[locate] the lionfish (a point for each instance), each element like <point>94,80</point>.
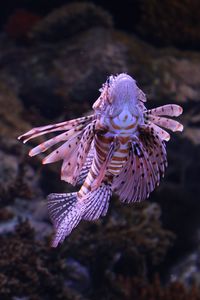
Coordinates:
<point>120,148</point>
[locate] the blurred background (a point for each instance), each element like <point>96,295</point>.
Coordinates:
<point>54,56</point>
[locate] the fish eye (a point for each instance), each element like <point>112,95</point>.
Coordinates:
<point>108,80</point>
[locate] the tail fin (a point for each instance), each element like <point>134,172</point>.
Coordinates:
<point>97,202</point>
<point>65,212</point>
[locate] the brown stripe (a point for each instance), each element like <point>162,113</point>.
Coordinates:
<point>114,125</point>
<point>130,126</point>
<point>115,168</point>
<point>106,149</point>
<point>102,145</point>
<point>80,194</point>
<point>101,153</point>
<point>105,139</point>
<point>123,151</point>
<point>124,140</point>
<point>92,174</point>
<point>99,146</point>
<point>118,158</point>
<point>87,186</point>
<point>96,164</point>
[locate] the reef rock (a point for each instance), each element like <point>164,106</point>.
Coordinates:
<point>11,112</point>
<point>69,20</point>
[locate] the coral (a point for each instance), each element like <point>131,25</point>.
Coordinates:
<point>30,269</point>
<point>69,20</point>
<point>122,246</point>
<point>137,288</point>
<point>16,188</point>
<point>171,22</point>
<point>130,241</point>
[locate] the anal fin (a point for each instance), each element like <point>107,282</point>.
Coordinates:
<point>96,202</point>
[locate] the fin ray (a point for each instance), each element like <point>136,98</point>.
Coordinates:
<point>172,110</point>
<point>83,150</point>
<point>87,165</point>
<point>96,202</point>
<point>167,123</point>
<point>164,135</point>
<point>65,212</point>
<point>66,125</point>
<point>142,172</point>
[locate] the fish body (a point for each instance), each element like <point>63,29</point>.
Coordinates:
<point>120,148</point>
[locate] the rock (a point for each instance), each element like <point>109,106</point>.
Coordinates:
<point>11,112</point>
<point>57,76</point>
<point>8,169</point>
<point>187,271</point>
<point>179,26</point>
<point>79,275</point>
<point>69,20</point>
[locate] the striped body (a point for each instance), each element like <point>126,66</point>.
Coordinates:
<point>123,128</point>
<point>120,148</point>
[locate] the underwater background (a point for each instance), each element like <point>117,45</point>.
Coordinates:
<point>54,56</point>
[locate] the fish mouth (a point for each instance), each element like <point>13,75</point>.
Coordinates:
<point>123,126</point>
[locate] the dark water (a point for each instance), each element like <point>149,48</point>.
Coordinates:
<point>54,56</point>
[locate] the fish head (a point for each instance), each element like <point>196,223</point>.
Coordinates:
<point>118,92</point>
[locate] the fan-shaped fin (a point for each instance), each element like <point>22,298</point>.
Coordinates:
<point>164,135</point>
<point>165,122</point>
<point>96,202</point>
<point>66,136</point>
<point>70,172</point>
<point>172,110</point>
<point>67,125</point>
<point>141,173</point>
<point>65,211</point>
<point>86,167</point>
<point>64,151</point>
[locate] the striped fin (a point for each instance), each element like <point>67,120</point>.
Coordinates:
<point>142,172</point>
<point>172,110</point>
<point>96,202</point>
<point>67,125</point>
<point>83,149</point>
<point>155,150</point>
<point>87,165</point>
<point>76,149</point>
<point>153,120</point>
<point>69,164</point>
<point>66,136</point>
<point>141,95</point>
<point>164,135</point>
<point>64,151</point>
<point>129,183</point>
<point>165,122</point>
<point>65,212</point>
